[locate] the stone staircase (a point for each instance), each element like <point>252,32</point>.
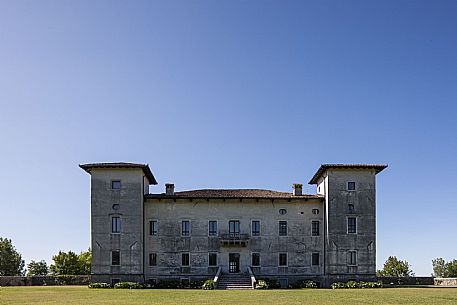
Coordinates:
<point>234,281</point>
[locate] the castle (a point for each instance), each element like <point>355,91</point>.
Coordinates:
<point>328,236</point>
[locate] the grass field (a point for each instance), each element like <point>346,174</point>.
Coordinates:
<point>73,295</point>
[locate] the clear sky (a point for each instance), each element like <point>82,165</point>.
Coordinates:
<point>229,94</point>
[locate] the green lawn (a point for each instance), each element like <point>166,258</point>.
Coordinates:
<point>72,295</point>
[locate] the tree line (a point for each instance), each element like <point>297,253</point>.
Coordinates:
<point>64,263</point>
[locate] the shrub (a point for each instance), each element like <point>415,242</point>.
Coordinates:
<point>305,284</point>
<point>270,283</point>
<point>99,285</point>
<point>208,285</point>
<point>196,284</point>
<point>168,284</point>
<point>354,284</point>
<point>128,285</point>
<point>261,284</point>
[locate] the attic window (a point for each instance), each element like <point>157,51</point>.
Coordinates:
<point>282,211</point>
<point>315,211</point>
<point>116,185</point>
<point>351,186</point>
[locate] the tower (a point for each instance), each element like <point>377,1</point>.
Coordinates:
<point>117,208</point>
<point>349,220</point>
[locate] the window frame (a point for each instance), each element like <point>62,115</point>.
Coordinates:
<point>151,227</point>
<point>182,228</point>
<point>116,226</point>
<point>112,258</point>
<point>209,228</point>
<point>236,228</point>
<point>209,259</point>
<point>256,234</point>
<point>350,257</point>
<point>113,183</point>
<point>313,255</point>
<point>152,259</point>
<point>315,230</point>
<point>351,189</point>
<point>252,259</point>
<point>188,259</point>
<point>282,254</point>
<point>355,225</point>
<point>280,231</point>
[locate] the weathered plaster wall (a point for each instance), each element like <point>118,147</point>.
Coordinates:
<point>169,245</point>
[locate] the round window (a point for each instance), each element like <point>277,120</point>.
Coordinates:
<point>282,211</point>
<point>315,211</point>
<point>115,207</point>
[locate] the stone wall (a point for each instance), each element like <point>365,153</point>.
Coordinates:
<point>44,280</point>
<point>446,281</point>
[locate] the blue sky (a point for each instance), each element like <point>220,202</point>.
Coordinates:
<point>233,94</point>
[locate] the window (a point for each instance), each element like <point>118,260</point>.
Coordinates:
<point>114,282</point>
<point>234,228</point>
<point>255,259</point>
<point>116,224</point>
<point>212,228</point>
<point>283,228</point>
<point>352,258</point>
<point>153,227</point>
<point>352,225</point>
<point>282,259</point>
<point>282,211</point>
<point>185,228</point>
<point>315,259</point>
<point>152,259</point>
<point>115,258</point>
<point>185,259</point>
<point>255,228</point>
<point>351,186</point>
<point>116,185</point>
<point>212,259</point>
<point>315,211</point>
<point>315,228</point>
<point>350,207</point>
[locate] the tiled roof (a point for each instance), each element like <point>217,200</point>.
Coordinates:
<point>324,167</point>
<point>233,193</point>
<point>145,167</point>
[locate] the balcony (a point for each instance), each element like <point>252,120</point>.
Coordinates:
<point>234,239</point>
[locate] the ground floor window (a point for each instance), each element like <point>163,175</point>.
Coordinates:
<point>315,259</point>
<point>212,259</point>
<point>282,259</point>
<point>185,259</point>
<point>152,259</point>
<point>352,258</point>
<point>114,282</point>
<point>255,259</point>
<point>115,258</point>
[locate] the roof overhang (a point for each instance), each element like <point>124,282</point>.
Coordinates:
<point>324,167</point>
<point>145,167</point>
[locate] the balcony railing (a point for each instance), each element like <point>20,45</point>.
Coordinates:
<point>234,239</point>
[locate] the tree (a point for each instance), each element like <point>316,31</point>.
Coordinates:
<point>443,269</point>
<point>37,268</point>
<point>11,262</point>
<point>70,263</point>
<point>395,267</point>
<point>439,267</point>
<point>84,259</point>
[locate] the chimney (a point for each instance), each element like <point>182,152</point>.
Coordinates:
<point>169,189</point>
<point>297,187</point>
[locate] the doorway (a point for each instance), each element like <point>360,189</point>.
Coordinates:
<point>234,262</point>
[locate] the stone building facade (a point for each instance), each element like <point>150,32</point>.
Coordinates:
<point>328,236</point>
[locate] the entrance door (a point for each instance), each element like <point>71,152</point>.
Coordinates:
<point>234,262</point>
